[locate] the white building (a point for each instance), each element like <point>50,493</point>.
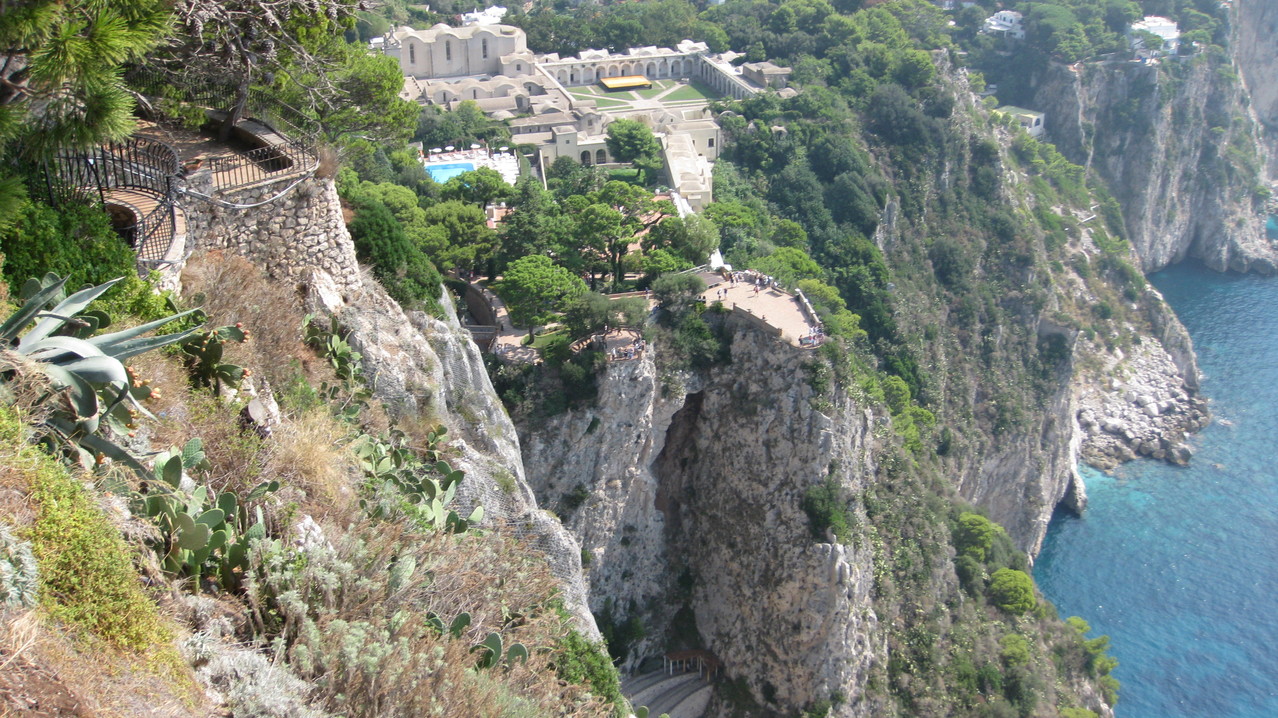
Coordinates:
<point>1031,120</point>
<point>1006,24</point>
<point>1165,29</point>
<point>489,64</point>
<point>487,16</point>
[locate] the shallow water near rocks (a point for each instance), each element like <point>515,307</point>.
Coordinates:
<point>1180,565</point>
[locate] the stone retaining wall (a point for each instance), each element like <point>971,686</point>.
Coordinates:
<point>299,231</point>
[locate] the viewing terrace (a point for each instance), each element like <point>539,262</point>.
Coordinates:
<point>749,295</point>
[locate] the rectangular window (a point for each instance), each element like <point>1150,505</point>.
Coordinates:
<point>484,46</point>
<point>448,50</point>
<point>710,142</point>
<point>412,54</point>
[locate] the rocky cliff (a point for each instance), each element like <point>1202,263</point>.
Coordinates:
<point>1256,25</point>
<point>1175,145</point>
<point>692,486</point>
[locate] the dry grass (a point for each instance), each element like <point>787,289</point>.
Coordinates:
<point>231,289</point>
<point>367,637</point>
<point>310,454</point>
<point>65,676</point>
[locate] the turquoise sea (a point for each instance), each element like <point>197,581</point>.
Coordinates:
<point>1180,565</point>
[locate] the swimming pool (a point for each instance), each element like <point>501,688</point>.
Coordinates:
<point>443,173</point>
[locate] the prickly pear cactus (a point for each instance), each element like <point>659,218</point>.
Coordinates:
<point>18,577</point>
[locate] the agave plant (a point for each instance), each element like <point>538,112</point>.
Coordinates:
<point>87,381</point>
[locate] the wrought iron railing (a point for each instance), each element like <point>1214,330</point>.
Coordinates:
<point>134,174</point>
<point>262,165</point>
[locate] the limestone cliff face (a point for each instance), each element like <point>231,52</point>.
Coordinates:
<point>694,511</point>
<point>430,369</point>
<point>1256,52</point>
<point>423,368</point>
<point>1176,147</point>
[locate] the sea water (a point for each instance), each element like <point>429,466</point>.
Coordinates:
<point>1180,565</point>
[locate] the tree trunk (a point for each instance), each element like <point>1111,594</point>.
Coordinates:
<point>236,112</point>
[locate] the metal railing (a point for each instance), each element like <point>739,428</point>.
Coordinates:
<point>262,165</point>
<point>121,173</point>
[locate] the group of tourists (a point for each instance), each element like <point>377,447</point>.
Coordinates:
<point>813,338</point>
<point>630,351</point>
<point>750,276</point>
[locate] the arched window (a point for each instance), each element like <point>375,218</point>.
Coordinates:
<point>448,50</point>
<point>412,54</point>
<point>600,157</point>
<point>585,157</point>
<point>484,47</point>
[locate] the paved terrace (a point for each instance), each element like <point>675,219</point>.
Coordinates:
<point>746,292</point>
<point>772,305</point>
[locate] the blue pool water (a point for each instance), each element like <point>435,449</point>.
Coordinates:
<point>443,173</point>
<point>1180,565</point>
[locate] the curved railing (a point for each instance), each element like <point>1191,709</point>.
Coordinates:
<point>137,174</point>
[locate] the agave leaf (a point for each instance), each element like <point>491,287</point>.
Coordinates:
<point>141,345</point>
<point>69,307</point>
<point>29,309</point>
<point>120,337</point>
<point>99,370</point>
<point>83,398</point>
<point>54,348</point>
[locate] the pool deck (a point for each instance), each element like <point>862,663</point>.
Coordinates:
<point>506,163</point>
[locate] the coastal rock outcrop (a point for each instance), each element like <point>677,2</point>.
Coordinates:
<point>1143,408</point>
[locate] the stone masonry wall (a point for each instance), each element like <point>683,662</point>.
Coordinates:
<point>287,237</point>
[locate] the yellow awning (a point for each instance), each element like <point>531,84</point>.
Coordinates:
<point>626,82</point>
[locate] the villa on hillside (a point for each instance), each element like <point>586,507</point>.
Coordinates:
<point>1031,120</point>
<point>1006,24</point>
<point>563,105</point>
<point>1165,29</point>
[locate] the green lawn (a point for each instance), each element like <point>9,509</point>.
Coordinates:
<point>540,341</point>
<point>695,91</point>
<point>608,102</point>
<point>628,174</point>
<point>657,88</point>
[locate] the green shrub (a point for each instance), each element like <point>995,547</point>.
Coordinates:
<point>827,509</point>
<point>75,241</point>
<point>86,577</point>
<point>1012,591</point>
<point>974,535</point>
<point>401,267</point>
<point>585,663</point>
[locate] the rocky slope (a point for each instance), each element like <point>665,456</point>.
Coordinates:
<point>430,370</point>
<point>1257,56</point>
<point>1175,146</point>
<point>694,518</point>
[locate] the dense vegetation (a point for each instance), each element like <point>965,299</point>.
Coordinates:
<point>925,232</point>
